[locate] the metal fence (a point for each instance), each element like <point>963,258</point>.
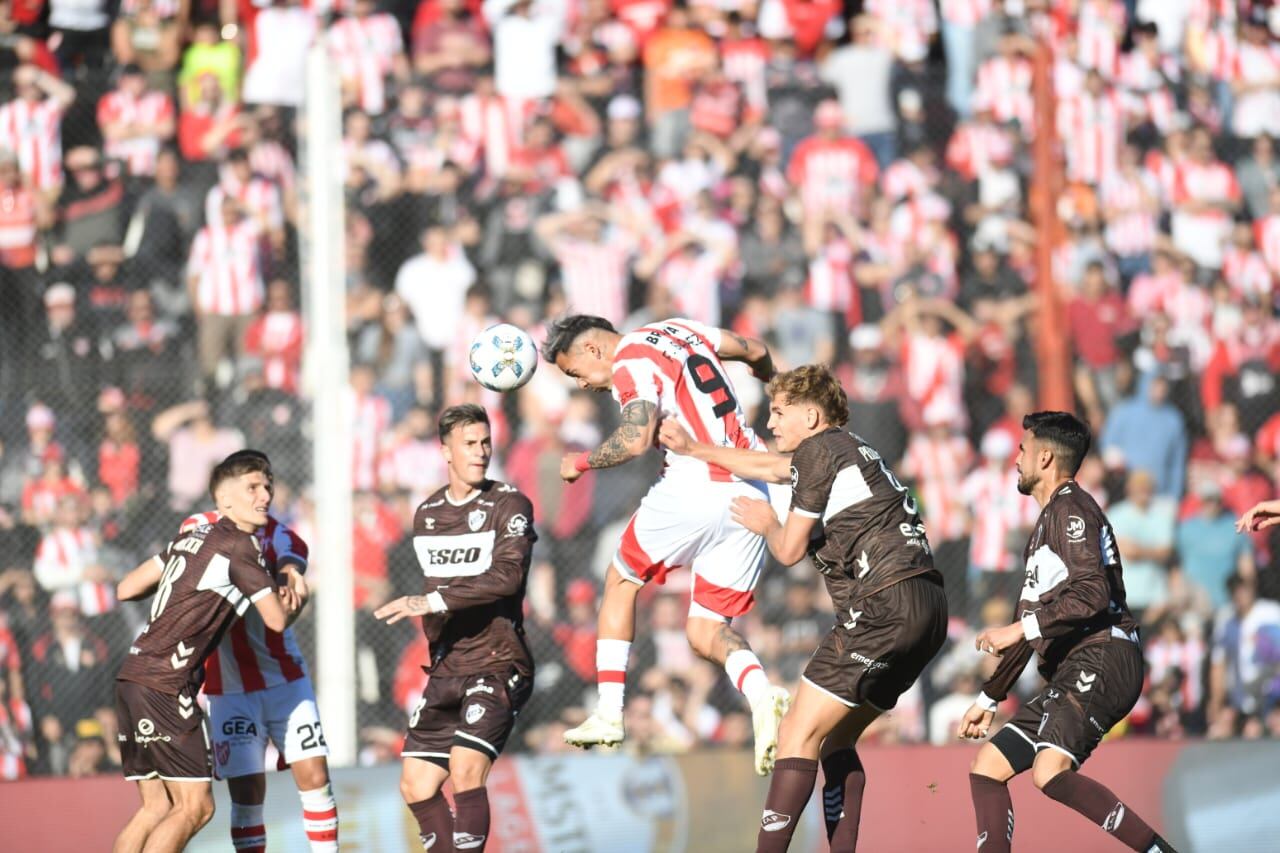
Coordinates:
<point>834,203</point>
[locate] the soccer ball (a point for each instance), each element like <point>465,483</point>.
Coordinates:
<point>503,357</point>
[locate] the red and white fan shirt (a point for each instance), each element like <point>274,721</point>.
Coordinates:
<point>1092,130</point>
<point>1129,201</point>
<point>17,227</point>
<point>276,338</point>
<point>63,555</point>
<point>1004,87</point>
<point>258,197</point>
<point>227,266</point>
<point>251,656</point>
<point>831,174</point>
<point>674,364</point>
<point>998,511</point>
<point>365,50</point>
<point>370,420</point>
<point>595,276</point>
<point>1266,233</point>
<point>939,465</point>
<point>33,131</point>
<point>151,108</point>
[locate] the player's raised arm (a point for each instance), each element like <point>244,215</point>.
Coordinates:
<point>141,582</point>
<point>632,438</point>
<point>747,464</point>
<point>977,720</point>
<point>750,351</point>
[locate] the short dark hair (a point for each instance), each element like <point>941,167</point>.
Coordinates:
<point>812,383</point>
<point>563,332</point>
<point>241,462</point>
<point>464,414</point>
<point>1067,433</point>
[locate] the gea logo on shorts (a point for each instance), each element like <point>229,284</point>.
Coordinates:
<point>240,726</point>
<point>447,556</point>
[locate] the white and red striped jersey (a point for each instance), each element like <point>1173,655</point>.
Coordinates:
<point>62,557</point>
<point>17,227</point>
<point>1206,14</point>
<point>496,126</point>
<point>1201,233</point>
<point>595,276</point>
<point>1188,656</point>
<point>226,263</point>
<point>365,50</point>
<point>370,419</point>
<point>1150,293</point>
<point>938,466</point>
<point>138,152</point>
<point>905,179</point>
<point>1092,131</point>
<point>1247,273</point>
<point>1266,233</point>
<point>744,62</point>
<point>830,285</point>
<point>832,173</point>
<point>965,13</point>
<point>1256,111</point>
<point>908,24</point>
<point>273,161</point>
<point>975,146</point>
<point>1099,28</point>
<point>33,131</point>
<point>1206,182</point>
<point>412,465</point>
<point>674,364</point>
<point>1004,86</point>
<point>1165,168</point>
<point>258,197</point>
<point>276,338</point>
<point>933,368</point>
<point>997,510</point>
<point>251,656</point>
<point>693,282</point>
<point>1129,204</point>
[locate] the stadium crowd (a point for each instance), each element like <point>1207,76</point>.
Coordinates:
<point>848,181</point>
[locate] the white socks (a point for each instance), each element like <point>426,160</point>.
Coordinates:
<point>320,818</point>
<point>746,674</point>
<point>611,676</point>
<point>248,833</point>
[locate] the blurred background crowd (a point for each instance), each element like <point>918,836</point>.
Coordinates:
<point>850,181</point>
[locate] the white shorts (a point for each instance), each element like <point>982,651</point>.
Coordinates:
<point>680,523</point>
<point>242,722</point>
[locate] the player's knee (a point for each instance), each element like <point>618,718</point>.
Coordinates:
<point>311,774</point>
<point>991,762</point>
<point>701,636</point>
<point>197,811</point>
<point>1048,767</point>
<point>468,774</point>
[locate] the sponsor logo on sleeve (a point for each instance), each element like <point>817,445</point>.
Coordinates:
<point>1075,528</point>
<point>518,525</point>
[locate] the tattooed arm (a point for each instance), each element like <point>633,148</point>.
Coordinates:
<point>751,352</point>
<point>631,439</point>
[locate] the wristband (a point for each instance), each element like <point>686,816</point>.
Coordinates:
<point>583,463</point>
<point>436,602</point>
<point>985,702</point>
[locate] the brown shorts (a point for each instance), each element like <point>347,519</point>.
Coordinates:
<point>1095,687</point>
<point>474,711</point>
<point>876,653</point>
<point>162,734</point>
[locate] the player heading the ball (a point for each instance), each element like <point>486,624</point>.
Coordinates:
<point>674,370</point>
<point>872,551</point>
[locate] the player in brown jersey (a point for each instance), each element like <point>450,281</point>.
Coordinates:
<point>1074,616</point>
<point>203,581</point>
<point>474,539</point>
<point>874,556</point>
